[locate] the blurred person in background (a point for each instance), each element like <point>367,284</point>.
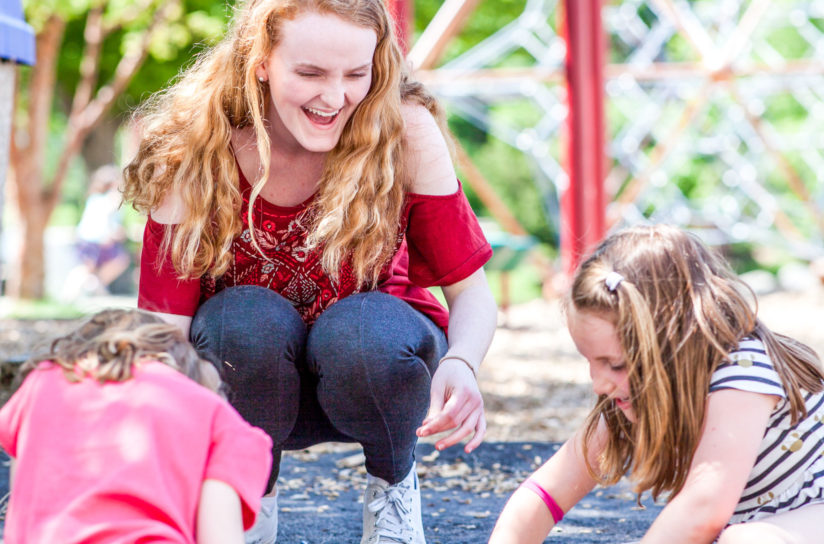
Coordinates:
<point>100,237</point>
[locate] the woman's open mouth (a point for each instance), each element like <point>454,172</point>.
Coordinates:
<point>321,117</point>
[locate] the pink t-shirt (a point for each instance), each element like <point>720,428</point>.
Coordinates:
<point>123,462</point>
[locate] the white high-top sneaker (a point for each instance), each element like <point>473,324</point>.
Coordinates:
<point>265,529</point>
<point>392,513</point>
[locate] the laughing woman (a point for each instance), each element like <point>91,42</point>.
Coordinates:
<point>301,199</point>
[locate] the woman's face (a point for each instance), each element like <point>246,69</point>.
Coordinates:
<point>317,75</point>
<point>596,339</point>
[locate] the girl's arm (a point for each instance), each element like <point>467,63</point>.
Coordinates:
<point>219,517</point>
<point>734,426</point>
<point>525,518</point>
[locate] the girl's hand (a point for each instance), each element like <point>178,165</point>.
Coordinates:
<point>456,405</point>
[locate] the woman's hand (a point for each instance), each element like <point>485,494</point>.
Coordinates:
<point>455,405</point>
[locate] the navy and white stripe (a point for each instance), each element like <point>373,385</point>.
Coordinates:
<point>789,469</point>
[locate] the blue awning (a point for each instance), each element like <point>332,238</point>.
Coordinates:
<point>16,36</point>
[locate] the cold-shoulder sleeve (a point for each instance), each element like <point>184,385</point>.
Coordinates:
<point>446,243</point>
<point>159,289</point>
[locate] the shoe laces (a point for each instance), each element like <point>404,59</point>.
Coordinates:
<point>391,507</point>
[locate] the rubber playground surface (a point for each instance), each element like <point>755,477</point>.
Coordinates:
<point>461,496</point>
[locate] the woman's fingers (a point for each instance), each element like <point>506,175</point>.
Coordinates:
<point>469,426</point>
<point>480,433</point>
<point>463,414</point>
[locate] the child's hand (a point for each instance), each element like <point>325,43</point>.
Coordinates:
<point>455,403</point>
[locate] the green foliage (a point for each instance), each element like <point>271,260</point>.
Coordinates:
<point>38,309</point>
<point>524,284</point>
<point>38,11</point>
<point>788,43</point>
<point>488,18</point>
<point>200,24</point>
<point>196,23</point>
<point>193,26</point>
<point>784,111</point>
<point>697,176</point>
<point>509,172</point>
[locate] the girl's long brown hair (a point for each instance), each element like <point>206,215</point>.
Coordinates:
<point>678,313</point>
<point>186,134</point>
<point>119,339</point>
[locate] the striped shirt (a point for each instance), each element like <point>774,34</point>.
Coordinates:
<point>787,452</point>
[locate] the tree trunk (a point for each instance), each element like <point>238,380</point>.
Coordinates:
<point>27,161</point>
<point>30,281</point>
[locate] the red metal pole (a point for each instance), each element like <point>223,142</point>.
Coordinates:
<point>401,11</point>
<point>582,203</point>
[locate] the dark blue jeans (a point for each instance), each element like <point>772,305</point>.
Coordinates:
<point>361,373</point>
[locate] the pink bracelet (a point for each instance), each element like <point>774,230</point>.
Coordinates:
<point>554,509</point>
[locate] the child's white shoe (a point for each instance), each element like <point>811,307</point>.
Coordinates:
<point>392,513</point>
<point>265,529</point>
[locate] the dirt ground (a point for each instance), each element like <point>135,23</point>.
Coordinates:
<point>536,387</point>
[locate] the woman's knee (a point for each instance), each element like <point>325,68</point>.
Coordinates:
<point>246,310</point>
<point>374,340</point>
<point>248,327</point>
<point>374,326</point>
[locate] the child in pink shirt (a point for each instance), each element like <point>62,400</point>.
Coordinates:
<point>115,439</point>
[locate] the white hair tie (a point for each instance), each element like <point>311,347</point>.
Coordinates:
<point>612,280</point>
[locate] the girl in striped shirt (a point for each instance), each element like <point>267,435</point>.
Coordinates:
<point>697,400</point>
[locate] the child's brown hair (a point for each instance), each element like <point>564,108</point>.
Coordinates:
<point>120,338</point>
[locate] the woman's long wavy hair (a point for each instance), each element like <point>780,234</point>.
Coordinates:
<point>678,313</point>
<point>118,339</point>
<point>186,134</point>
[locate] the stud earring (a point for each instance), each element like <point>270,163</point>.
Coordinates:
<point>260,78</point>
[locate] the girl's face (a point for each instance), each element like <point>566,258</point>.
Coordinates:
<point>595,338</point>
<point>317,75</point>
